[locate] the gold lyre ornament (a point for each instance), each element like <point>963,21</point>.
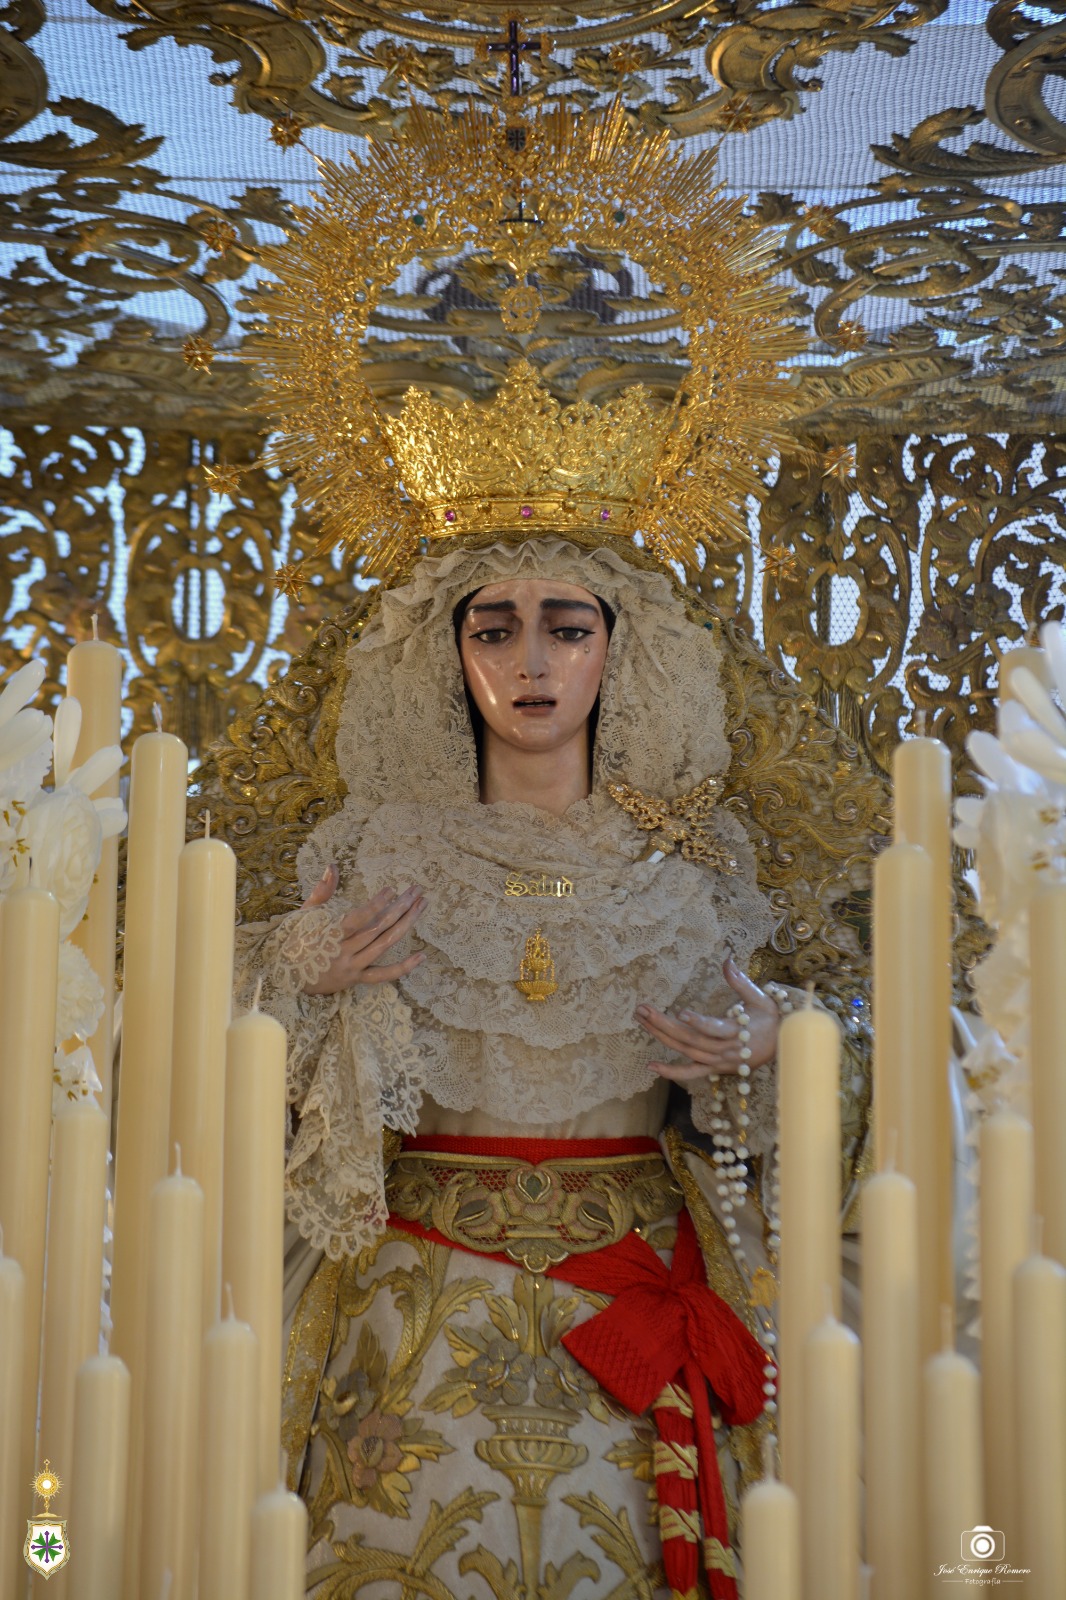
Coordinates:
<point>46,1546</point>
<point>587,447</point>
<point>537,973</point>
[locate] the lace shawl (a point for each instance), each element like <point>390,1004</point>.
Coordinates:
<point>457,1028</point>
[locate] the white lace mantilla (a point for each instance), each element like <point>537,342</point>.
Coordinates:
<point>457,1028</point>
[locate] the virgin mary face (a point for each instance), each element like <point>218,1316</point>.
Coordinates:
<point>533,652</point>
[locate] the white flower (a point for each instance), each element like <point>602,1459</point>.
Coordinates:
<point>63,834</point>
<point>1011,839</point>
<point>80,1003</point>
<point>73,1077</point>
<point>25,736</point>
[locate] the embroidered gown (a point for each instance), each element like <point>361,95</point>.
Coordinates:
<point>446,1440</point>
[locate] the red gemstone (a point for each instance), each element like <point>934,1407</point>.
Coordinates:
<point>527,511</point>
<point>449,516</point>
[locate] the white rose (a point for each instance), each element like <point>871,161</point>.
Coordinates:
<point>63,834</point>
<point>80,1001</point>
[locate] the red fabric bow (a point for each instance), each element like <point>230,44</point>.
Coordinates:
<point>664,1338</point>
<point>660,1319</point>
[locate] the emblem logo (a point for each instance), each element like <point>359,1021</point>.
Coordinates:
<point>46,1548</point>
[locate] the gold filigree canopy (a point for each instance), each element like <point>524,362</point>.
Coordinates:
<point>513,208</point>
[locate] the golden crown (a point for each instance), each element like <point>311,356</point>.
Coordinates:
<point>512,206</point>
<point>523,460</point>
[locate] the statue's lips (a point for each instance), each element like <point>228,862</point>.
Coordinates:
<point>534,705</point>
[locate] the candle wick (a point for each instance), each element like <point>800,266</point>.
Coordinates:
<point>808,1004</point>
<point>230,1313</point>
<point>168,1579</point>
<point>830,1309</point>
<point>283,1463</point>
<point>1038,1235</point>
<point>769,1463</point>
<point>177,1160</point>
<point>157,717</point>
<point>947,1328</point>
<point>205,818</point>
<point>258,992</point>
<point>920,724</point>
<point>96,629</point>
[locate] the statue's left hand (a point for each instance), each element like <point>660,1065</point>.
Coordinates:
<point>712,1045</point>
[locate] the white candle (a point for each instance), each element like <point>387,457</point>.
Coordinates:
<point>75,1266</point>
<point>905,1049</point>
<point>770,1541</point>
<point>1006,1216</point>
<point>99,1476</point>
<point>253,1226</point>
<point>829,1485</point>
<point>203,999</point>
<point>891,1379</point>
<point>156,834</point>
<point>230,1458</point>
<point>172,1389</point>
<point>279,1546</point>
<point>1047,954</point>
<point>94,679</point>
<point>1040,1398</point>
<point>29,961</point>
<point>921,773</point>
<point>12,1378</point>
<point>954,1494</point>
<point>809,1093</point>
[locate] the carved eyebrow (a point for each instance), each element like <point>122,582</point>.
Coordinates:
<point>545,605</point>
<point>570,605</point>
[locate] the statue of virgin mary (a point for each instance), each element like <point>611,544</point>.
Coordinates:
<point>535,851</point>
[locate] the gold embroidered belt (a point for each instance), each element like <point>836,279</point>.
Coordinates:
<point>536,1201</point>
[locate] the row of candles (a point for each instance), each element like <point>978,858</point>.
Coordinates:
<point>170,1439</point>
<point>894,1448</point>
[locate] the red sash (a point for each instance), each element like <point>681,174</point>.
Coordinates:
<point>664,1339</point>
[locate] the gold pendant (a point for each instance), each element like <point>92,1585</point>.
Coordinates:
<point>537,980</point>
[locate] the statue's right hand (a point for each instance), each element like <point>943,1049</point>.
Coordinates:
<point>369,932</point>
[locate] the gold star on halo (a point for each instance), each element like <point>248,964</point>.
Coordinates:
<point>839,462</point>
<point>222,477</point>
<point>851,335</point>
<point>821,220</point>
<point>218,235</point>
<point>286,131</point>
<point>289,580</point>
<point>198,353</point>
<point>781,559</point>
<point>737,115</point>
